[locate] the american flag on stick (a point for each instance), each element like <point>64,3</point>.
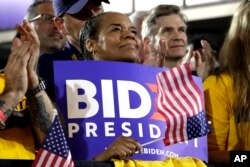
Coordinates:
<point>181,103</point>
<point>54,151</point>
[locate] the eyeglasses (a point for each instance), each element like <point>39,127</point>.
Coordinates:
<point>47,18</point>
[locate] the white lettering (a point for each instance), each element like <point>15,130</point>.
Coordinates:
<point>124,104</point>
<point>187,142</point>
<point>240,158</point>
<point>237,158</point>
<point>159,152</point>
<point>124,127</point>
<point>196,143</point>
<point>109,129</point>
<point>108,99</point>
<point>140,130</point>
<point>151,131</point>
<point>91,129</point>
<point>243,157</point>
<point>73,128</point>
<point>80,101</point>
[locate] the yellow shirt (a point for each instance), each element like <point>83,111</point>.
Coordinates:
<point>16,142</point>
<point>169,162</point>
<point>219,98</point>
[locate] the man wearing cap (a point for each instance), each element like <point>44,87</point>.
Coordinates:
<point>71,15</point>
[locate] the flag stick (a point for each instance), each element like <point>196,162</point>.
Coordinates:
<point>150,142</point>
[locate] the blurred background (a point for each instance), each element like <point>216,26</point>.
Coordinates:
<point>209,18</point>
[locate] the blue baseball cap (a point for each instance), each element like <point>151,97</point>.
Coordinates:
<point>70,6</point>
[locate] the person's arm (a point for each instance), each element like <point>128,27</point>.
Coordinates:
<point>121,148</point>
<point>42,113</point>
<point>41,108</point>
<point>15,76</point>
<point>8,101</point>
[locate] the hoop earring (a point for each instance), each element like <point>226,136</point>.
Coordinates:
<point>94,54</point>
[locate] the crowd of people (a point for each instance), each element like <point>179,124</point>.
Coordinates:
<point>80,30</point>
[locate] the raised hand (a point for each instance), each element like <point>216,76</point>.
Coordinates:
<point>202,61</point>
<point>210,59</point>
<point>28,34</point>
<point>16,72</point>
<point>154,59</point>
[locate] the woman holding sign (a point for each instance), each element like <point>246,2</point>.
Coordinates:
<point>112,36</point>
<point>118,42</point>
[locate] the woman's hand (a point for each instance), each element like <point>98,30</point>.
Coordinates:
<point>121,148</point>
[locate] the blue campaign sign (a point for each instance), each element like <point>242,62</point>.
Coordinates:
<point>102,100</point>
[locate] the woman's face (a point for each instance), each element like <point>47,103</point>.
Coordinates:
<point>117,39</point>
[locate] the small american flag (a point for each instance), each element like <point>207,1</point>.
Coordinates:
<point>54,151</point>
<point>181,103</point>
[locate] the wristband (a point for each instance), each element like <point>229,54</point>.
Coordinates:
<point>2,119</point>
<point>38,88</point>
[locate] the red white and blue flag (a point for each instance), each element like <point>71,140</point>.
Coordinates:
<point>181,103</point>
<point>54,151</point>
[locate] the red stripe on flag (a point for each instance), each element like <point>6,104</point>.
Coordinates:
<point>174,129</point>
<point>170,129</point>
<point>179,98</point>
<point>54,160</point>
<point>37,160</point>
<point>192,92</point>
<point>175,91</point>
<point>71,164</point>
<point>161,109</point>
<point>185,92</point>
<point>54,152</point>
<point>46,159</point>
<point>62,162</point>
<point>58,161</point>
<point>183,104</point>
<point>201,108</point>
<point>178,111</point>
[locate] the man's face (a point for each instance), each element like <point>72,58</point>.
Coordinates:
<point>73,22</point>
<point>50,38</point>
<point>172,29</point>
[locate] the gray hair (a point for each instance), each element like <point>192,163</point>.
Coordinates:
<point>32,10</point>
<point>149,23</point>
